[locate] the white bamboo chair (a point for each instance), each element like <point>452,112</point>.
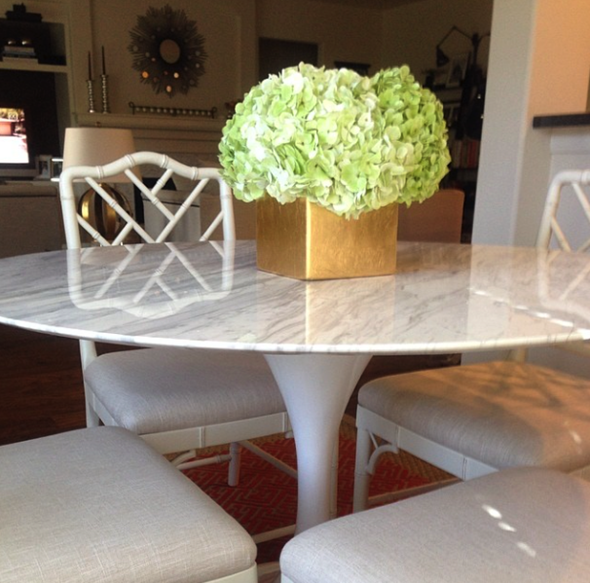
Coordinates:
<point>475,419</point>
<point>177,400</point>
<point>100,505</point>
<point>519,525</point>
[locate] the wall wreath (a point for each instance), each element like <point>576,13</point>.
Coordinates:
<point>167,50</point>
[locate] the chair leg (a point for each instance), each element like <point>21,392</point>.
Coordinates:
<point>235,454</point>
<point>181,463</point>
<point>92,418</point>
<point>334,487</point>
<point>361,475</point>
<point>276,462</point>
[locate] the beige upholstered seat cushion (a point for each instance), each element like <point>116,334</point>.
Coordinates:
<point>526,525</point>
<point>99,505</point>
<point>159,389</point>
<point>502,413</point>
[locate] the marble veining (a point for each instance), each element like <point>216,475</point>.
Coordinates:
<point>443,298</point>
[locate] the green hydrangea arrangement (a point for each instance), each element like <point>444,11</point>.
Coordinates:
<point>349,143</point>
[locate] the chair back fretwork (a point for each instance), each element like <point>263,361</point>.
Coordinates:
<point>565,225</point>
<point>95,177</point>
<point>568,193</point>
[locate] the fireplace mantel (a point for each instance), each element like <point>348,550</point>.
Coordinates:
<point>164,133</point>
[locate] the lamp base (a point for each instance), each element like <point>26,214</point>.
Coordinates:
<point>98,213</point>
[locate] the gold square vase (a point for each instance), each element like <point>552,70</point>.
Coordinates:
<point>305,241</point>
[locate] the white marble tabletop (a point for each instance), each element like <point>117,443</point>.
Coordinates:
<point>443,298</point>
<point>317,337</point>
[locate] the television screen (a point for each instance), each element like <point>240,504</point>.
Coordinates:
<point>13,137</point>
<point>28,96</point>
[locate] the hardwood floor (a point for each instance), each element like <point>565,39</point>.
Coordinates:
<point>40,386</point>
<point>41,383</point>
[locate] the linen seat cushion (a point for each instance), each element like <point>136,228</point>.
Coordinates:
<point>503,413</point>
<point>100,505</point>
<point>203,388</point>
<point>521,525</point>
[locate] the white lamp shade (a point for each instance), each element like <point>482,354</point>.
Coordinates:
<point>97,147</point>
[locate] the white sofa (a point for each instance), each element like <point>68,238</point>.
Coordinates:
<point>30,219</point>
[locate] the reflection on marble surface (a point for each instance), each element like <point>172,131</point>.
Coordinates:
<point>117,279</point>
<point>443,298</point>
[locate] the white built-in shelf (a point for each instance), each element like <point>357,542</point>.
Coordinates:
<point>156,122</point>
<point>32,66</point>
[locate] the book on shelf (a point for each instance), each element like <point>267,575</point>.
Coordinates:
<point>20,60</point>
<point>18,51</point>
<point>465,153</point>
<point>18,54</point>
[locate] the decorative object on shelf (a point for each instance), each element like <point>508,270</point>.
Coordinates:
<point>90,90</point>
<point>167,50</point>
<point>173,111</point>
<point>19,35</point>
<point>15,53</point>
<point>457,70</point>
<point>89,85</point>
<point>19,12</point>
<point>56,168</point>
<point>104,85</point>
<point>25,36</point>
<point>43,167</point>
<point>95,147</point>
<point>340,141</point>
<point>104,90</point>
<point>472,83</point>
<point>441,57</point>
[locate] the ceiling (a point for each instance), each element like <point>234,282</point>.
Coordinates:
<point>380,4</point>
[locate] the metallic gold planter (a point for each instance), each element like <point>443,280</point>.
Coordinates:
<point>305,241</point>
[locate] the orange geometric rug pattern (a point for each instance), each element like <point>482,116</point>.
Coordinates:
<point>266,498</point>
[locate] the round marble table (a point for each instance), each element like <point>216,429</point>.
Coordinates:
<point>317,336</point>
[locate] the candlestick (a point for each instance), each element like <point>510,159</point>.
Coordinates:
<point>104,67</point>
<point>105,93</point>
<point>90,96</point>
<point>89,66</point>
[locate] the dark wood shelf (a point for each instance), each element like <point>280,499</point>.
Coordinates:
<point>561,120</point>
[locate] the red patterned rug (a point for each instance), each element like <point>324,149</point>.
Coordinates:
<point>266,498</point>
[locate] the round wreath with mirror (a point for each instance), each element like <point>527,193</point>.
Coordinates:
<point>167,50</point>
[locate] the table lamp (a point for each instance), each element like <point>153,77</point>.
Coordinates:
<point>95,146</point>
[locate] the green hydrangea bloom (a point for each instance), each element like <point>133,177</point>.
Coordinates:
<point>348,143</point>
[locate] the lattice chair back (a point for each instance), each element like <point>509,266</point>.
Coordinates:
<point>565,225</point>
<point>129,228</point>
<point>568,201</point>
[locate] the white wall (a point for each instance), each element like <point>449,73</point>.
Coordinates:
<point>343,33</point>
<point>505,121</point>
<point>411,32</point>
<point>539,60</point>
